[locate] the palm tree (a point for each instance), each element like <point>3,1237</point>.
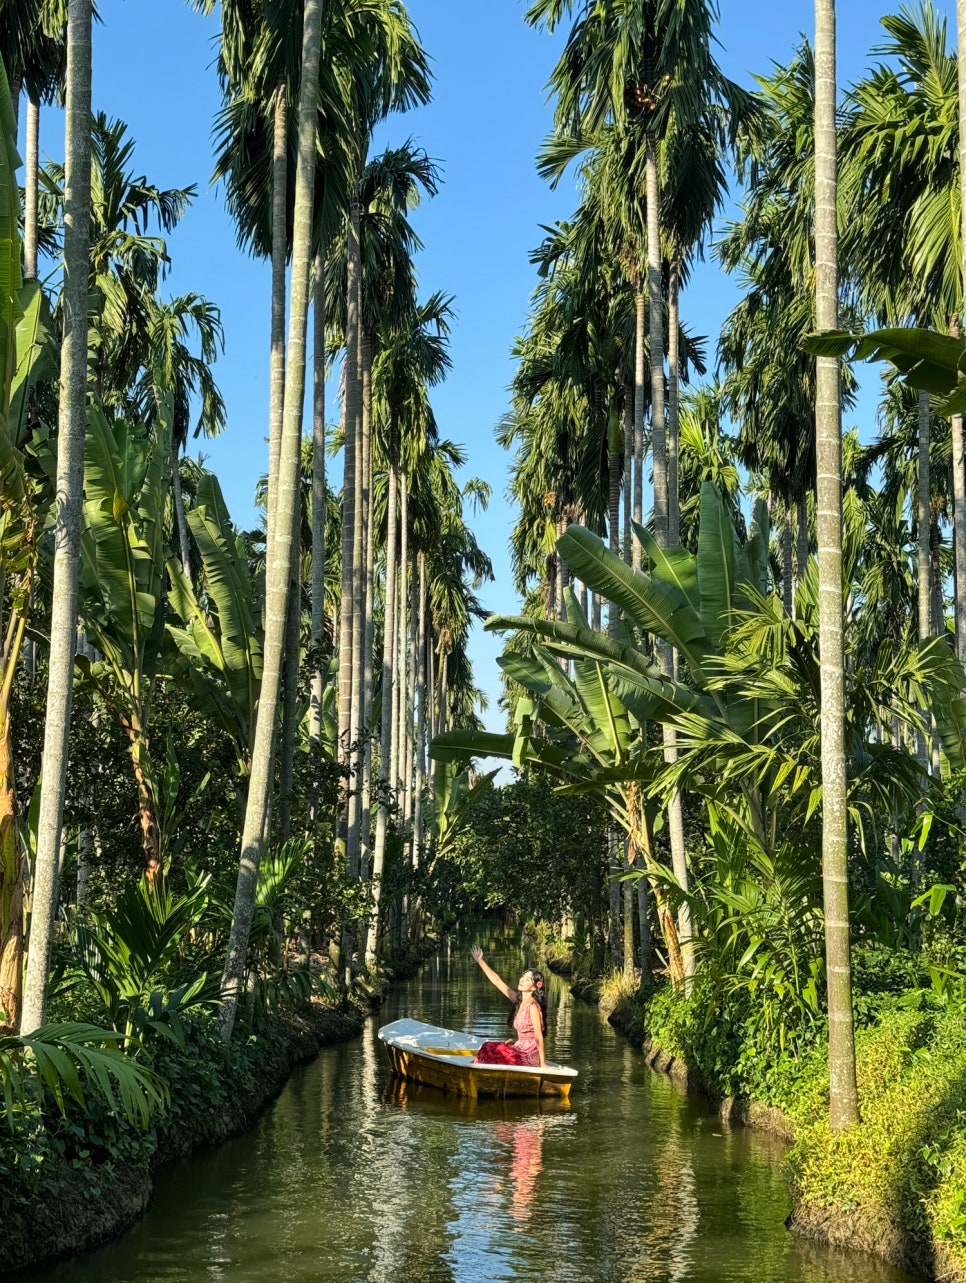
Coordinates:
<point>33,51</point>
<point>281,531</point>
<point>170,367</point>
<point>18,557</point>
<point>70,480</point>
<point>412,357</point>
<point>898,150</point>
<point>843,1093</point>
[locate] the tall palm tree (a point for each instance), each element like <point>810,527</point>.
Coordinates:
<point>70,478</point>
<point>413,357</point>
<point>898,154</point>
<point>843,1093</point>
<point>281,532</point>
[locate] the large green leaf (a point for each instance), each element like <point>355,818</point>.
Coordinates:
<point>574,642</point>
<point>658,606</point>
<point>221,640</point>
<point>716,565</point>
<point>71,1059</point>
<point>122,541</point>
<point>672,566</point>
<point>927,360</point>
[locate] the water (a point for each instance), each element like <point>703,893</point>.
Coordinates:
<point>354,1177</point>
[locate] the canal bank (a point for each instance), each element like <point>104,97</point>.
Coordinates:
<point>889,1187</point>
<point>354,1177</point>
<point>92,1175</point>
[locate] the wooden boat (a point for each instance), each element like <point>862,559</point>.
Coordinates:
<point>444,1058</point>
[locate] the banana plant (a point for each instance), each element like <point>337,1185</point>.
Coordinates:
<point>219,637</point>
<point>121,591</point>
<point>588,731</point>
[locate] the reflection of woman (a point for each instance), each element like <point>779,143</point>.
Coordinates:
<point>527,1166</point>
<point>529,1019</point>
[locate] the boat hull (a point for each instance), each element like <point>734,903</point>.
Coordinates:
<point>443,1058</point>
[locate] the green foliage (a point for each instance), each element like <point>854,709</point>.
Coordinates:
<point>68,1059</point>
<point>129,952</point>
<point>219,639</point>
<point>904,1165</point>
<point>530,848</point>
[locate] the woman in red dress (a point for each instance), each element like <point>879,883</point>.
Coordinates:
<point>529,1019</point>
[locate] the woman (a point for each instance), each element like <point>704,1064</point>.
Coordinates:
<point>529,1019</point>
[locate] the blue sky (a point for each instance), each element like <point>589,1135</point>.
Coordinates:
<point>153,68</point>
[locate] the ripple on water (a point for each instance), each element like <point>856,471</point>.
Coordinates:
<point>354,1177</point>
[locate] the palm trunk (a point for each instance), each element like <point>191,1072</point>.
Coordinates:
<point>351,411</point>
<point>662,506</point>
<point>140,749</point>
<point>959,534</point>
<point>637,440</point>
<point>801,544</point>
<point>13,868</point>
<point>402,639</point>
<point>624,543</point>
<point>30,189</point>
<point>358,622</point>
<point>788,591</point>
<point>410,710</point>
<point>386,724</point>
<point>317,628</point>
<point>656,335</point>
<point>279,553</point>
<point>368,627</point>
<point>180,518</point>
<point>72,422</point>
<point>959,478</point>
<point>925,521</point>
<point>288,733</point>
<point>843,1094</point>
<point>279,259</point>
<point>422,723</point>
<point>673,404</point>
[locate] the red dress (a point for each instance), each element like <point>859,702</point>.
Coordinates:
<point>525,1051</point>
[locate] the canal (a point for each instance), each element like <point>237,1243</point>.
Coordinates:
<point>353,1177</point>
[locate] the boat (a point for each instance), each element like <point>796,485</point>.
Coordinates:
<point>443,1058</point>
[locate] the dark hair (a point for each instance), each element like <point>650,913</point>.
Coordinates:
<point>539,994</point>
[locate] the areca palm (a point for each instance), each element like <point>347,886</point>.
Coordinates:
<point>412,357</point>
<point>279,552</point>
<point>128,257</point>
<point>70,471</point>
<point>899,141</point>
<point>646,66</point>
<point>843,1093</point>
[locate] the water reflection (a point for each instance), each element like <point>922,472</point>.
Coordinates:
<point>357,1177</point>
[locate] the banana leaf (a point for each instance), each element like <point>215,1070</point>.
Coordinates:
<point>716,566</point>
<point>574,642</point>
<point>658,606</point>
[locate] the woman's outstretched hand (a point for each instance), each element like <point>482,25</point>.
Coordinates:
<point>477,953</point>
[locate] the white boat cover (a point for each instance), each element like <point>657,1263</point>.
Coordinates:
<point>453,1048</point>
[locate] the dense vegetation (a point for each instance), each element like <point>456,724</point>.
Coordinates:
<point>738,719</point>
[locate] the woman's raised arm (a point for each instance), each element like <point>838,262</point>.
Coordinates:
<point>492,976</point>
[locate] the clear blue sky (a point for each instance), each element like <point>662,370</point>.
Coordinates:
<point>153,68</point>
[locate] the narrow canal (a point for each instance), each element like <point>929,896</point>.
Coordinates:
<point>354,1177</point>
